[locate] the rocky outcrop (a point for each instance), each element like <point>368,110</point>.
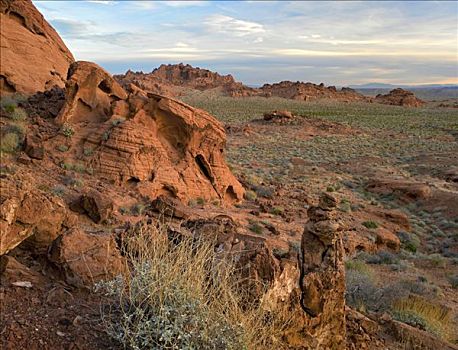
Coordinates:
<point>279,116</point>
<point>406,190</point>
<point>168,78</point>
<point>314,296</point>
<point>86,258</point>
<point>26,37</point>
<point>399,97</point>
<point>28,213</point>
<point>157,144</point>
<point>309,91</point>
<point>147,82</point>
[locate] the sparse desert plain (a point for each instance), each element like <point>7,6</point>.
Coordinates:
<point>183,209</point>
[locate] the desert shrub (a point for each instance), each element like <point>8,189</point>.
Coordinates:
<point>10,142</point>
<point>137,209</point>
<point>277,210</point>
<point>255,227</point>
<point>436,260</point>
<point>361,290</point>
<point>358,265</point>
<point>370,224</point>
<point>424,314</point>
<point>8,104</point>
<point>264,191</point>
<point>18,114</point>
<point>123,210</point>
<point>454,281</point>
<point>183,296</point>
<point>16,128</point>
<point>67,130</point>
<point>409,241</point>
<point>58,191</point>
<point>382,257</point>
<point>250,195</point>
<point>364,294</point>
<point>72,181</point>
<point>200,201</point>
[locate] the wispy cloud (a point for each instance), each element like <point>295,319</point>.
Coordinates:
<point>232,26</point>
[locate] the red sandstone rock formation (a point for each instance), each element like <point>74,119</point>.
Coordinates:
<point>167,78</point>
<point>399,97</point>
<point>309,91</point>
<point>34,57</point>
<point>162,146</point>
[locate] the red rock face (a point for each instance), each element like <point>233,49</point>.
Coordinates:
<point>400,97</point>
<point>26,37</point>
<point>159,145</point>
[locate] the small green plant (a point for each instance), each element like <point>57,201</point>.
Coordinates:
<point>277,210</point>
<point>58,191</point>
<point>67,130</point>
<point>330,189</point>
<point>409,241</point>
<point>200,201</point>
<point>255,227</point>
<point>137,209</point>
<point>118,121</point>
<point>106,135</point>
<point>63,148</point>
<point>370,224</point>
<point>88,151</point>
<point>8,104</point>
<point>123,210</point>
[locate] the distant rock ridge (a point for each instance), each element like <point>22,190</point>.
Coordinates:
<point>34,57</point>
<point>167,78</point>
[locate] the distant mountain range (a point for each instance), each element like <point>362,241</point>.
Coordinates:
<point>393,86</point>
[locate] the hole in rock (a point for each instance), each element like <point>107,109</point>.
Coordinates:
<point>105,87</point>
<point>133,180</point>
<point>204,167</point>
<point>230,194</point>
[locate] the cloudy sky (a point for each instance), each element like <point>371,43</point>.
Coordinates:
<point>338,43</point>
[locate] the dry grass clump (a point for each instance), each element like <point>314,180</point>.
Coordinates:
<point>184,295</point>
<point>426,315</point>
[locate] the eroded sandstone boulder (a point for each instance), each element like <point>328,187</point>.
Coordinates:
<point>26,37</point>
<point>156,144</point>
<point>28,213</point>
<point>86,258</point>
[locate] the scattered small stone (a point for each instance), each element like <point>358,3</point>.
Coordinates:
<point>23,284</point>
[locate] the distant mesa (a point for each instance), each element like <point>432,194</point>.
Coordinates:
<point>26,37</point>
